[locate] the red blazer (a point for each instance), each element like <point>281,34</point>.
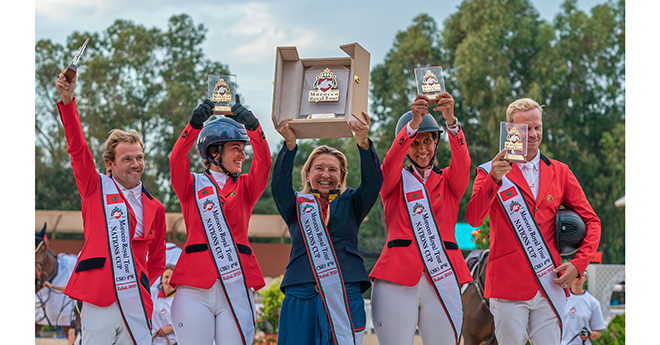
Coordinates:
<point>195,266</point>
<point>509,275</point>
<point>92,279</point>
<point>400,262</point>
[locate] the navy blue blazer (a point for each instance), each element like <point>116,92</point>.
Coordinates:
<point>347,211</point>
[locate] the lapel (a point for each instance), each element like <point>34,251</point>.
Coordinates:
<point>516,176</point>
<point>546,174</point>
<point>148,211</point>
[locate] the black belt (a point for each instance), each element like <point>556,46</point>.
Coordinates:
<point>406,243</point>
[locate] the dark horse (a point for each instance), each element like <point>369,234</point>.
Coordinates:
<point>45,270</point>
<point>478,325</point>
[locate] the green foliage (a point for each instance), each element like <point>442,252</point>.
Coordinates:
<point>269,316</point>
<point>130,77</point>
<point>494,52</point>
<point>615,334</point>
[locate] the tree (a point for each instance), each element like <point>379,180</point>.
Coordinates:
<point>129,77</point>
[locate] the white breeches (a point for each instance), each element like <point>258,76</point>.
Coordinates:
<point>103,325</point>
<point>519,321</point>
<point>201,315</point>
<point>398,309</point>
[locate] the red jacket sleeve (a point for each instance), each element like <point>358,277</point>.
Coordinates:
<point>484,192</point>
<point>393,162</point>
<point>458,172</point>
<point>257,177</point>
<point>157,258</point>
<point>576,200</point>
<point>182,179</point>
<point>82,161</point>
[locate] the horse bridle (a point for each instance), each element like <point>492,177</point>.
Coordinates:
<point>40,264</point>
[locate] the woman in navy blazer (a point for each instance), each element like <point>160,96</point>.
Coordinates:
<point>303,317</point>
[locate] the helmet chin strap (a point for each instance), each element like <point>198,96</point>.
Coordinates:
<point>233,176</point>
<point>419,166</point>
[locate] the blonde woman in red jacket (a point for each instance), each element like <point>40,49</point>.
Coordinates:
<point>418,274</point>
<point>217,272</point>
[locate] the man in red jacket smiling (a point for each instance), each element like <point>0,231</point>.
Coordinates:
<point>122,224</point>
<point>525,279</point>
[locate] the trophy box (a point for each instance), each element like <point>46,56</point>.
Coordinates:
<point>321,94</point>
<point>513,138</point>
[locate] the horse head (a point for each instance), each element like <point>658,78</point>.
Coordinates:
<point>44,260</point>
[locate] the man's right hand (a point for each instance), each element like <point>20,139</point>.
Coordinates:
<point>201,114</point>
<point>65,88</point>
<point>499,167</point>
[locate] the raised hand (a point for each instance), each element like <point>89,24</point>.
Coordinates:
<point>201,114</point>
<point>419,107</point>
<point>241,115</point>
<point>361,130</point>
<point>499,167</point>
<point>287,133</point>
<point>65,88</point>
<point>445,103</point>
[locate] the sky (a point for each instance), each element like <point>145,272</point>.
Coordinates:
<point>244,35</point>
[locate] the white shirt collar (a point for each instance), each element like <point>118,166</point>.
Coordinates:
<point>137,190</point>
<point>534,163</point>
<point>220,178</point>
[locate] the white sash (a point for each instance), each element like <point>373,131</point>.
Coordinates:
<point>326,269</point>
<point>127,288</point>
<point>431,250</point>
<point>225,255</point>
<point>532,242</point>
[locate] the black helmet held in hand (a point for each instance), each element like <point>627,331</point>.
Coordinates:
<point>570,230</point>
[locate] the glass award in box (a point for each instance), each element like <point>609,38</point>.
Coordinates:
<point>513,138</point>
<point>222,92</point>
<point>429,81</point>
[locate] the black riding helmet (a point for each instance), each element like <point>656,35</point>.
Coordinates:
<point>428,125</point>
<point>217,133</point>
<point>570,230</point>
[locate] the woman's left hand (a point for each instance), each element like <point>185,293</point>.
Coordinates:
<point>361,130</point>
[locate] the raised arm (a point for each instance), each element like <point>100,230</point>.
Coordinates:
<point>182,179</point>
<point>261,161</point>
<point>371,177</point>
<point>82,161</point>
<point>282,182</point>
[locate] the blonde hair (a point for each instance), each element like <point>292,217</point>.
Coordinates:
<point>519,105</point>
<point>118,136</point>
<point>324,149</point>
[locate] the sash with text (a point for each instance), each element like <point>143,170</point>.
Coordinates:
<point>326,269</point>
<point>532,242</point>
<point>127,289</point>
<point>431,249</point>
<point>225,255</point>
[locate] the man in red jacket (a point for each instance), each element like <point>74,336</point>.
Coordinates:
<point>525,279</point>
<point>123,224</point>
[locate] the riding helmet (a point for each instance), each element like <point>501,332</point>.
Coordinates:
<point>570,230</point>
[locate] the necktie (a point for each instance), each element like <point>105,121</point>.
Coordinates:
<point>529,176</point>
